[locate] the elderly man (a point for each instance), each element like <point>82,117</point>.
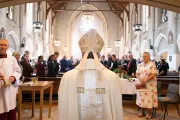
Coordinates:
<point>90,91</point>
<point>132,66</point>
<point>10,73</point>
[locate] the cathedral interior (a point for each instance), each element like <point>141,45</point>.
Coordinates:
<point>45,27</point>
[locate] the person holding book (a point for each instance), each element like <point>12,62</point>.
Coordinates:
<point>146,74</point>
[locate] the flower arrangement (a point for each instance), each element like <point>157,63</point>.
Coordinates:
<point>123,74</point>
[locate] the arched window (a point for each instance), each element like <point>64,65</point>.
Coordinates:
<point>145,17</point>
<point>10,12</point>
<point>29,18</point>
<point>87,23</point>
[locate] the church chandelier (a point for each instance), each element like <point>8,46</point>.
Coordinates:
<point>117,42</point>
<point>37,25</point>
<point>109,49</point>
<point>137,27</point>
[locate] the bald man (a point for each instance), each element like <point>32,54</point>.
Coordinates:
<point>10,73</point>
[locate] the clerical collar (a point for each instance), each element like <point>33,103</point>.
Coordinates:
<point>3,56</point>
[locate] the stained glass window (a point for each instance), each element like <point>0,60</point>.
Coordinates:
<point>87,23</point>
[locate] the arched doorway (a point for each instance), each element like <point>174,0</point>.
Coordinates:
<point>14,43</point>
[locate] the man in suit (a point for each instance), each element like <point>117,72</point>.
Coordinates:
<point>64,65</point>
<point>114,64</point>
<point>53,66</point>
<point>123,63</point>
<point>108,65</point>
<point>131,67</point>
<point>103,61</point>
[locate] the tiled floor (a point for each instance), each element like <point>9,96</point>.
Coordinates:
<point>130,112</point>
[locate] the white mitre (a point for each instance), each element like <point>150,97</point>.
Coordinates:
<point>91,42</point>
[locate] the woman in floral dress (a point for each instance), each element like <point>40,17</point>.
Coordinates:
<point>146,73</point>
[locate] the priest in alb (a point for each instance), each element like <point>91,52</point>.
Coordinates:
<point>90,91</point>
<point>10,73</point>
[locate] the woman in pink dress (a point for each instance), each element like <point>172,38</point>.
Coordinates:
<point>146,73</point>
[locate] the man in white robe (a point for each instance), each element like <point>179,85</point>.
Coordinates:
<point>90,91</point>
<point>10,73</point>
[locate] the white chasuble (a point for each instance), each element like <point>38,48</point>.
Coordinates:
<point>9,67</point>
<point>90,94</point>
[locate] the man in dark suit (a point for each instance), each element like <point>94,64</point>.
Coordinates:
<point>64,65</point>
<point>114,64</point>
<point>131,67</point>
<point>123,63</point>
<point>103,61</point>
<point>53,67</point>
<point>108,65</point>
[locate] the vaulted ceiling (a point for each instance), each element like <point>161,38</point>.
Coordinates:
<point>118,5</point>
<point>115,6</point>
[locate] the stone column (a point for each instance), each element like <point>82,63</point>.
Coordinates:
<point>173,55</point>
<point>151,39</point>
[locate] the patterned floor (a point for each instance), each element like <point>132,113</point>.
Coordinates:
<point>129,108</point>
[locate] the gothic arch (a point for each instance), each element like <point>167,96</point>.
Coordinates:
<point>76,13</point>
<point>13,40</point>
<point>158,40</point>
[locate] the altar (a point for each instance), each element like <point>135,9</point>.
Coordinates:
<point>128,87</point>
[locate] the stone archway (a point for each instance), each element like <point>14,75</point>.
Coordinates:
<point>76,13</point>
<point>13,40</point>
<point>158,41</point>
<point>161,45</point>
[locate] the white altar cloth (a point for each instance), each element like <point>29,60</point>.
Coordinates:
<point>129,87</point>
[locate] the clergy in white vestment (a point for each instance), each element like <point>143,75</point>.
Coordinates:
<point>10,73</point>
<point>90,91</point>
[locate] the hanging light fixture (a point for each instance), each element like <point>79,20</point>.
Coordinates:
<point>37,24</point>
<point>109,49</point>
<point>117,42</point>
<point>57,43</point>
<point>137,27</point>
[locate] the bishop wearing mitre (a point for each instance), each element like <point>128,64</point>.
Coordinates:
<point>90,91</point>
<point>10,73</point>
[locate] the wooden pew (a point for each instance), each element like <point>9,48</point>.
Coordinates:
<point>166,80</point>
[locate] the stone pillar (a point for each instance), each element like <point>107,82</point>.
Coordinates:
<point>151,30</point>
<point>173,55</point>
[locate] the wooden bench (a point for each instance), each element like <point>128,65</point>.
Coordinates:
<point>166,80</point>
